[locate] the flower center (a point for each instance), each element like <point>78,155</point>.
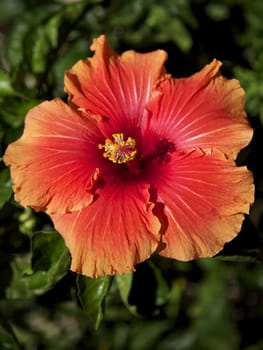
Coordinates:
<point>119,151</point>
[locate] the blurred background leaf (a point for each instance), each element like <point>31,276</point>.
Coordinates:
<point>205,304</point>
<point>6,187</point>
<point>7,339</point>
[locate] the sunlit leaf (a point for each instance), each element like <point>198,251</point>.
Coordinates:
<point>92,293</point>
<point>124,283</point>
<point>6,88</point>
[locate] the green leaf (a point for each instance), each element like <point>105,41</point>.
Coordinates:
<point>217,11</point>
<point>18,288</point>
<point>162,292</point>
<point>64,20</point>
<point>211,313</point>
<point>145,290</point>
<point>45,38</point>
<point>5,187</point>
<point>124,283</point>
<point>6,88</point>
<point>9,9</point>
<point>50,261</point>
<point>13,111</point>
<point>18,44</point>
<point>7,339</point>
<point>162,287</point>
<point>15,41</point>
<point>165,27</point>
<point>92,293</point>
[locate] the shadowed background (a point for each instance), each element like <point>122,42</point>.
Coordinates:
<point>206,304</point>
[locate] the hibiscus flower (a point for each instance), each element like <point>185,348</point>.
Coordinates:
<point>137,162</point>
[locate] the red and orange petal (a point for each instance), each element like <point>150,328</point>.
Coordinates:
<point>53,165</point>
<point>115,87</point>
<point>113,234</point>
<point>205,199</point>
<point>203,111</point>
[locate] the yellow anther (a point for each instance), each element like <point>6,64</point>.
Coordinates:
<point>119,151</point>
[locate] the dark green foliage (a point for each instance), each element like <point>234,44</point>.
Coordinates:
<point>91,293</point>
<point>164,305</point>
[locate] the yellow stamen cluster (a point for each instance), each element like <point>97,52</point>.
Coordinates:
<point>119,151</point>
